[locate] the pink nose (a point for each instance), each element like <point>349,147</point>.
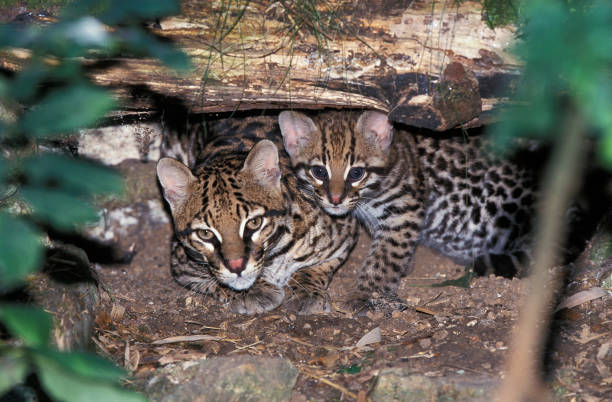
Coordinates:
<point>335,199</point>
<point>236,266</point>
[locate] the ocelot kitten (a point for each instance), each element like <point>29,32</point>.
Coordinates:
<point>406,189</point>
<point>244,230</point>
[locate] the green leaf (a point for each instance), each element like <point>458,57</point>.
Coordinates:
<point>73,175</point>
<point>606,148</point>
<point>31,324</point>
<point>65,385</point>
<point>60,209</point>
<point>64,110</point>
<point>500,12</point>
<point>120,11</point>
<point>3,173</point>
<point>4,84</point>
<point>353,369</point>
<point>27,81</point>
<point>12,36</point>
<point>462,282</point>
<point>20,250</point>
<point>85,364</point>
<point>13,369</point>
<point>143,43</point>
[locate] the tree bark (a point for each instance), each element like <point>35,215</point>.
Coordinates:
<point>431,64</point>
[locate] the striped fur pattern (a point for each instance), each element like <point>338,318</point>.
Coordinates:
<point>243,229</point>
<point>407,189</point>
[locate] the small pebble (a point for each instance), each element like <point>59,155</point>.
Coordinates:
<point>438,336</point>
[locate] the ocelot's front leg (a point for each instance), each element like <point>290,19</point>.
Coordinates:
<point>195,274</point>
<point>259,298</point>
<point>389,259</point>
<point>309,288</point>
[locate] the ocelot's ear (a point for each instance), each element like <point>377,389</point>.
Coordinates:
<point>297,129</point>
<point>262,163</point>
<point>375,125</point>
<point>175,179</point>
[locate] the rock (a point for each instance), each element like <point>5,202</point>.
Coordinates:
<point>398,384</point>
<point>116,228</point>
<point>113,144</point>
<point>244,378</point>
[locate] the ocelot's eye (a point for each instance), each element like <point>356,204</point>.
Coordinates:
<point>318,172</point>
<point>254,223</point>
<point>205,234</point>
<point>356,173</point>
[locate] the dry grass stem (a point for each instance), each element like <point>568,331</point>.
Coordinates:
<point>426,311</point>
<point>331,384</point>
<point>189,338</point>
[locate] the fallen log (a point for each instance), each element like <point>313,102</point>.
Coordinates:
<point>430,64</point>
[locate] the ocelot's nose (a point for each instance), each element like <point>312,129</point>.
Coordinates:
<point>236,266</point>
<point>335,198</point>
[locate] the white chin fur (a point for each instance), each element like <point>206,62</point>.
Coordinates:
<point>336,210</point>
<point>240,282</point>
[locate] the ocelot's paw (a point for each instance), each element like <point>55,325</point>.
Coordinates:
<point>309,303</point>
<point>258,299</point>
<point>360,303</point>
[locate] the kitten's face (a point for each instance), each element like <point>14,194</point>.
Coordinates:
<point>228,215</point>
<point>338,157</point>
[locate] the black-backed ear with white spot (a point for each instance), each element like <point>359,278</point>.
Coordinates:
<point>297,129</point>
<point>262,162</point>
<point>375,126</point>
<point>175,179</point>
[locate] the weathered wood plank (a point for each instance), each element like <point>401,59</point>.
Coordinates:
<point>429,64</point>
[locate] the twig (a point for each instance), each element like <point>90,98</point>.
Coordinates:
<point>331,384</point>
<point>189,338</point>
<point>239,348</point>
<point>426,311</point>
<point>524,381</point>
<point>63,261</point>
<point>467,369</point>
<point>301,342</point>
<point>101,346</point>
<point>432,300</point>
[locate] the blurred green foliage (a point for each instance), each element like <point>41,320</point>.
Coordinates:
<point>567,51</point>
<point>499,13</point>
<point>66,376</point>
<point>34,4</point>
<point>49,97</point>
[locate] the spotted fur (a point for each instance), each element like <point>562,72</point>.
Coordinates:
<point>244,230</point>
<point>406,189</point>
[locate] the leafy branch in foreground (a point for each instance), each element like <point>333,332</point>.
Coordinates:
<point>565,95</point>
<point>49,97</point>
<point>568,65</point>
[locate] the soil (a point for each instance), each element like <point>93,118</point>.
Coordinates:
<point>447,331</point>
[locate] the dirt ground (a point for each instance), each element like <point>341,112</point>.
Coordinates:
<point>448,330</point>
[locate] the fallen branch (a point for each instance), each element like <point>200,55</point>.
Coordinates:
<point>524,378</point>
<point>190,338</point>
<point>331,384</point>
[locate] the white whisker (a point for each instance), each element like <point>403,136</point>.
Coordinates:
<point>364,215</point>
